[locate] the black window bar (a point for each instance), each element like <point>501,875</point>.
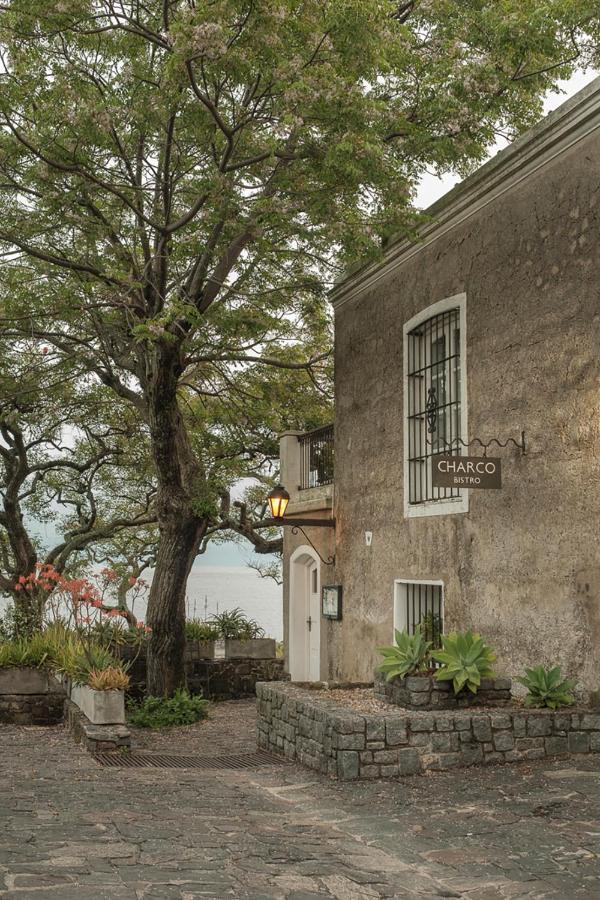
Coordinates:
<point>434,401</point>
<point>316,458</point>
<point>424,608</point>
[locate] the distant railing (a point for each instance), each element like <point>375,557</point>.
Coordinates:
<point>316,457</point>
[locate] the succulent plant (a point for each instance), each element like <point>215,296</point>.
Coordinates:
<point>409,655</point>
<point>547,687</point>
<point>465,659</point>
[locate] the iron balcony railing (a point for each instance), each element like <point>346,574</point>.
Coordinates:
<point>316,458</point>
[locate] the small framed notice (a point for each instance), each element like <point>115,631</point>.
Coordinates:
<point>331,601</point>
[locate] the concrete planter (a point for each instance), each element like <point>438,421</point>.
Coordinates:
<point>100,707</point>
<point>30,696</point>
<point>23,681</point>
<point>199,650</point>
<point>255,648</point>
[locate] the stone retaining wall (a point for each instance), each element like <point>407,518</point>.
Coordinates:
<point>425,692</point>
<point>216,679</point>
<point>30,697</point>
<point>345,744</point>
<point>95,738</point>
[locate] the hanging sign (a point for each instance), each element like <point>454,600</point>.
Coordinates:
<point>466,472</point>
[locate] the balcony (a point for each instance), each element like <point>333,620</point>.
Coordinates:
<point>307,466</point>
<point>316,458</point>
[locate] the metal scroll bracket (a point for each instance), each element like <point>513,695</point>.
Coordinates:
<point>431,413</point>
<point>326,562</point>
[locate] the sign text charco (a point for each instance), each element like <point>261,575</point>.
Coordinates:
<point>466,472</point>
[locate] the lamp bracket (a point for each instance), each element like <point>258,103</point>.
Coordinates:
<point>326,562</point>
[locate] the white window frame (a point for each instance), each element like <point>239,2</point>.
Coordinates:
<point>400,622</point>
<point>450,505</point>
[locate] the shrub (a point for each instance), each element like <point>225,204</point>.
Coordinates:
<point>109,679</point>
<point>465,659</point>
<point>35,652</point>
<point>234,625</point>
<point>93,658</point>
<point>198,630</point>
<point>409,656</point>
<point>547,687</point>
<point>161,712</point>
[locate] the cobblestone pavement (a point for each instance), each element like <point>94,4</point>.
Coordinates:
<point>71,829</point>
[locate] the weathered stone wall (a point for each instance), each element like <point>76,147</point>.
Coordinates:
<point>229,679</point>
<point>30,697</point>
<point>345,744</point>
<point>216,679</point>
<point>419,692</point>
<point>522,566</point>
<point>95,738</point>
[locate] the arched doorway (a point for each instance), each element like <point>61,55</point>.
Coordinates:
<point>304,639</point>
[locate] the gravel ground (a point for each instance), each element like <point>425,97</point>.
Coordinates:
<point>229,728</point>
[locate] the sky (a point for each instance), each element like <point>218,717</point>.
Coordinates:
<point>432,187</point>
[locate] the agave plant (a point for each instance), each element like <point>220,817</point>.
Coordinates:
<point>408,656</point>
<point>110,679</point>
<point>465,659</point>
<point>547,687</point>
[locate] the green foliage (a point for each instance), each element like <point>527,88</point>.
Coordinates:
<point>198,630</point>
<point>234,624</point>
<point>35,652</point>
<point>465,661</point>
<point>93,658</point>
<point>547,687</point>
<point>409,656</point>
<point>160,712</point>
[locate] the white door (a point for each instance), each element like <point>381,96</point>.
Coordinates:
<point>313,622</point>
<point>304,617</point>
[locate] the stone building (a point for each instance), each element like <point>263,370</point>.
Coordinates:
<point>487,327</point>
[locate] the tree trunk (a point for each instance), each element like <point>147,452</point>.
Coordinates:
<point>181,529</point>
<point>178,547</point>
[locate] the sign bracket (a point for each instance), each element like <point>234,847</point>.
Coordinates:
<point>431,410</point>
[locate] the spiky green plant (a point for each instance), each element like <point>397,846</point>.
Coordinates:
<point>547,687</point>
<point>409,655</point>
<point>465,659</point>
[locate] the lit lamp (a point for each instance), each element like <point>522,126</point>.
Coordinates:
<point>278,500</point>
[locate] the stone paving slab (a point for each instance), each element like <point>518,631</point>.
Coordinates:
<point>71,829</point>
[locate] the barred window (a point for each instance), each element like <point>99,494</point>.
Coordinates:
<point>420,604</point>
<point>433,402</point>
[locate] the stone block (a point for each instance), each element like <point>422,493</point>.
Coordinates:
<point>500,720</point>
<point>422,723</point>
<point>493,757</point>
<point>579,742</point>
<point>462,723</point>
<point>595,741</point>
<point>446,742</point>
<point>375,728</point>
<point>444,723</point>
<point>389,771</point>
<point>590,722</point>
<point>539,726</point>
<point>366,757</point>
<point>348,764</point>
<point>556,745</point>
<point>471,754</point>
<point>375,745</point>
<point>502,683</point>
<point>529,743</point>
<point>418,683</point>
<point>504,740</point>
<point>350,724</point>
<point>443,761</point>
<point>562,722</point>
<point>386,757</point>
<point>395,731</point>
<point>422,739</point>
<point>519,725</point>
<point>370,771</point>
<point>482,730</point>
<point>534,753</point>
<point>409,761</point>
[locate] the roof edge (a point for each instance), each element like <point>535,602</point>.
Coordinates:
<point>572,121</point>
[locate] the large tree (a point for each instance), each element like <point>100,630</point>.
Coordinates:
<point>180,180</point>
<point>74,474</point>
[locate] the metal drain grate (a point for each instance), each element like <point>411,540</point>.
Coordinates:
<point>125,760</point>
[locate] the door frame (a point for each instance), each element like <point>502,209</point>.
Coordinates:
<point>299,638</point>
